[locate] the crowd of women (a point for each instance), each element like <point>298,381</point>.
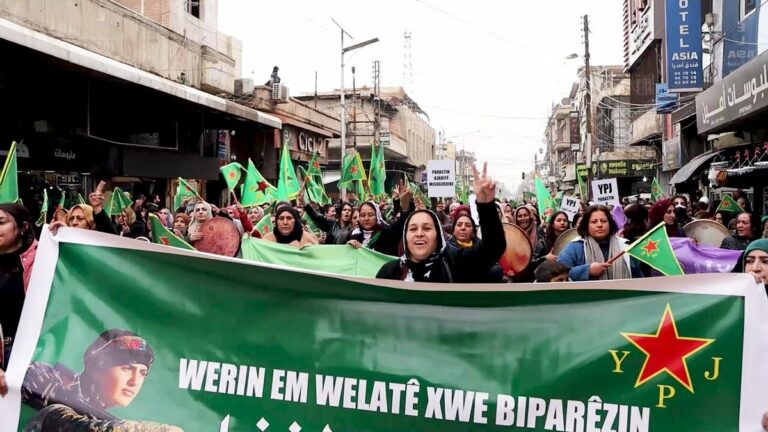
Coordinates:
<point>447,245</point>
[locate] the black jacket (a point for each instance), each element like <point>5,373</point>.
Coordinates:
<point>103,224</point>
<point>389,237</point>
<point>334,232</point>
<point>734,242</point>
<point>470,265</point>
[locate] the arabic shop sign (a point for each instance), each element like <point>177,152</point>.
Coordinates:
<point>683,37</point>
<point>616,168</point>
<point>736,96</point>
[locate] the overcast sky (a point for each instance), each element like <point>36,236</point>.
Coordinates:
<point>481,65</point>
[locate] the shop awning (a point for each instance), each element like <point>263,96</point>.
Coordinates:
<point>88,59</point>
<point>686,171</point>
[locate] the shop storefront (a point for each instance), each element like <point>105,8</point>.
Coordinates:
<point>633,176</point>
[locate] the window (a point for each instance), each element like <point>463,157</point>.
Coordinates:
<point>193,8</point>
<point>746,8</point>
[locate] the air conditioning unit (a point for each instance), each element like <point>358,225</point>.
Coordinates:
<point>243,86</point>
<point>279,93</point>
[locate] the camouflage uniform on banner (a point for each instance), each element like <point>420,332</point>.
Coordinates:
<point>70,402</point>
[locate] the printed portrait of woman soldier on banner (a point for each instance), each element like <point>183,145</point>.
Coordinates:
<point>115,366</point>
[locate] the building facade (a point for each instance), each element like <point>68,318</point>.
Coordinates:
<point>121,91</point>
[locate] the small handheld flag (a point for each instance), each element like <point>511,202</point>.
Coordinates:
<point>9,184</point>
<point>164,236</point>
<point>728,204</point>
<point>655,250</point>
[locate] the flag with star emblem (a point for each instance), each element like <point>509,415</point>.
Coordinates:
<point>657,192</point>
<point>655,250</point>
<point>164,236</point>
<point>313,169</point>
<point>728,204</point>
<point>558,200</point>
<point>43,209</point>
<point>9,183</point>
<point>232,173</point>
<point>256,189</point>
<point>287,184</point>
<point>353,168</point>
<point>264,226</point>
<point>313,192</point>
<point>378,174</point>
<point>543,197</point>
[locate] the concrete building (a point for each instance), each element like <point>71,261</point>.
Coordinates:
<point>122,91</point>
<point>404,128</point>
<point>465,160</point>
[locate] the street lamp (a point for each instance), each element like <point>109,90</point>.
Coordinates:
<point>345,50</point>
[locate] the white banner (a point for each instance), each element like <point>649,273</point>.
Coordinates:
<point>571,206</point>
<point>441,178</point>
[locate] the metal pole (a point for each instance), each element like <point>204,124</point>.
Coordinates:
<point>343,121</point>
<point>588,104</point>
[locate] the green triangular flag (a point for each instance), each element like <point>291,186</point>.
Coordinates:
<point>315,192</point>
<point>287,184</point>
<point>264,225</point>
<point>656,191</point>
<point>655,250</point>
<point>310,224</point>
<point>728,204</point>
<point>117,202</point>
<point>232,173</point>
<point>314,169</point>
<point>43,209</point>
<point>164,236</point>
<point>378,173</point>
<point>183,190</point>
<point>9,185</point>
<point>80,199</point>
<point>62,197</point>
<point>352,168</point>
<point>256,189</point>
<point>543,198</point>
<point>558,199</point>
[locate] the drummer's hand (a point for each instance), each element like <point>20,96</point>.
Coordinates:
<point>485,187</point>
<point>195,236</point>
<point>215,210</point>
<point>597,269</point>
<point>551,257</point>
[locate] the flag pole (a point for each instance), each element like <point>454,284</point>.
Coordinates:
<point>615,258</point>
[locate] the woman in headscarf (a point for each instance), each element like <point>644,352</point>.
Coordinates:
<point>166,217</point>
<point>240,218</point>
<point>373,233</point>
<point>506,214</point>
<point>745,232</point>
<point>288,229</point>
<point>17,258</point>
<point>115,366</point>
<point>588,256</point>
<point>200,214</point>
<point>90,217</point>
<point>664,211</point>
<point>180,224</point>
<point>426,259</point>
<point>754,260</point>
<point>527,219</point>
<point>637,222</point>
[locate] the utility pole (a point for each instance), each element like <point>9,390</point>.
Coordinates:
<point>354,111</point>
<point>376,105</point>
<point>588,105</point>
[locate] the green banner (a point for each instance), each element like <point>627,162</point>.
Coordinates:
<point>337,259</point>
<point>219,344</point>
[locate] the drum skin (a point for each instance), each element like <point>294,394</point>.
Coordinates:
<point>566,237</point>
<point>519,252</point>
<point>220,237</point>
<point>706,232</point>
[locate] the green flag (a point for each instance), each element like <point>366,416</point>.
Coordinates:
<point>287,184</point>
<point>378,172</point>
<point>464,197</point>
<point>256,189</point>
<point>315,192</point>
<point>314,169</point>
<point>232,173</point>
<point>583,192</point>
<point>164,236</point>
<point>117,202</point>
<point>655,250</point>
<point>43,209</point>
<point>183,191</point>
<point>9,185</point>
<point>543,198</point>
<point>558,199</point>
<point>81,200</point>
<point>62,197</point>
<point>310,224</point>
<point>264,226</point>
<point>656,191</point>
<point>728,204</point>
<point>352,168</point>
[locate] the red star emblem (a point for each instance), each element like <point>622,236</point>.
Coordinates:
<point>164,240</point>
<point>263,186</point>
<point>265,230</point>
<point>726,204</point>
<point>353,170</point>
<point>666,351</point>
<point>650,247</point>
<point>316,164</point>
<point>232,174</point>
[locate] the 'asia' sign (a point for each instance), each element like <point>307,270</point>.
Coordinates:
<point>441,178</point>
<point>683,37</point>
<point>605,192</point>
<point>102,347</point>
